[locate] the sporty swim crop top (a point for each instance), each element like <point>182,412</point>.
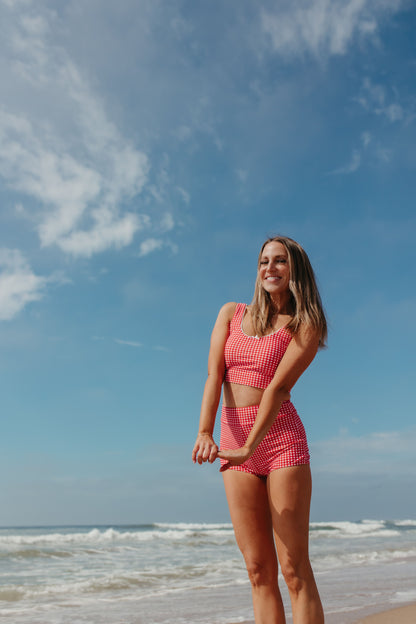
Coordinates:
<point>252,360</point>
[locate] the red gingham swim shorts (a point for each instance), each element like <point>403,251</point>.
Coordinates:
<point>284,445</point>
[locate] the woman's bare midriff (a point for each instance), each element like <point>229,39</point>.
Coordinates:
<point>237,395</point>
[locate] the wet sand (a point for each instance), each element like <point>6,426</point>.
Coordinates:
<point>401,615</point>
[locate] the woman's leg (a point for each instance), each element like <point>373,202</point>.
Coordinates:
<point>289,495</point>
<point>250,514</point>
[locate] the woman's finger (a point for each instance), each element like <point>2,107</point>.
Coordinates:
<point>213,454</point>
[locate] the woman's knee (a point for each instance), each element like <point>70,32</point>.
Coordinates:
<point>297,574</point>
<point>261,572</point>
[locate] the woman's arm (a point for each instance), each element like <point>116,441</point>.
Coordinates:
<point>205,448</point>
<point>299,354</point>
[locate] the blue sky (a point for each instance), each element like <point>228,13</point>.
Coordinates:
<point>146,151</point>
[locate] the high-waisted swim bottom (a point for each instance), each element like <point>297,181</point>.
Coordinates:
<point>284,445</point>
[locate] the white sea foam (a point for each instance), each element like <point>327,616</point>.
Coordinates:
<point>95,536</point>
<point>365,528</point>
<point>403,523</point>
<point>202,526</point>
<point>340,560</point>
<point>401,597</point>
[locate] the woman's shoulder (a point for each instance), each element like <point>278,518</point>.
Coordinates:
<point>228,310</point>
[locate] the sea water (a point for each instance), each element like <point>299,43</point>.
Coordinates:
<point>193,573</point>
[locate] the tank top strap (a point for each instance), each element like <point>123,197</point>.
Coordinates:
<point>238,317</point>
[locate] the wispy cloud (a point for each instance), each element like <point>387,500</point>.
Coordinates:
<point>19,285</point>
<point>167,222</point>
<point>351,166</point>
<point>356,157</point>
<point>382,452</point>
<point>383,101</point>
<point>149,245</point>
<point>129,343</point>
<point>133,343</point>
<point>74,162</point>
<point>323,28</point>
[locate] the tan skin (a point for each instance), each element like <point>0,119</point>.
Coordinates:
<point>270,516</point>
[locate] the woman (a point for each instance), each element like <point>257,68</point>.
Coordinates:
<point>257,353</point>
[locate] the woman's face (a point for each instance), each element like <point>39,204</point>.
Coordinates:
<point>274,271</point>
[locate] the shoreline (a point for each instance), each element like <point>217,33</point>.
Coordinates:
<point>398,615</point>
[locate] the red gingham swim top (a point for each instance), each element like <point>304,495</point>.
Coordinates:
<point>252,360</point>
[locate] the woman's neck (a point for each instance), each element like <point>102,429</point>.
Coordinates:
<point>281,303</point>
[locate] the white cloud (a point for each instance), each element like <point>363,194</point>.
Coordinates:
<point>129,343</point>
<point>68,156</point>
<point>323,27</point>
<point>18,284</point>
<point>383,154</point>
<point>351,166</point>
<point>108,232</point>
<point>153,244</point>
<point>393,112</point>
<point>356,156</point>
<point>374,453</point>
<point>184,194</point>
<point>366,139</point>
<point>380,100</point>
<point>167,222</point>
<point>149,245</point>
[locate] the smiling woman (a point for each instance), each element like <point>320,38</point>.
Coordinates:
<point>274,271</point>
<point>257,354</point>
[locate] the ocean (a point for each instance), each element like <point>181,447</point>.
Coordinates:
<point>190,573</point>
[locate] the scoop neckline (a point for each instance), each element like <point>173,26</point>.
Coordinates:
<point>257,337</point>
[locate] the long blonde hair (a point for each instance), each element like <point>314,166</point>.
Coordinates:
<point>305,301</point>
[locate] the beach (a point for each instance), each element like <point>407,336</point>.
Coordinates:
<point>176,573</point>
<point>401,615</point>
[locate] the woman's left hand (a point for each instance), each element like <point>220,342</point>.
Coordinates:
<point>235,457</point>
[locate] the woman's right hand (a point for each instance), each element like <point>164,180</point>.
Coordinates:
<point>205,449</point>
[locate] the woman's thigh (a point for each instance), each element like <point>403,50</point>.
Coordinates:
<point>289,491</point>
<point>248,502</point>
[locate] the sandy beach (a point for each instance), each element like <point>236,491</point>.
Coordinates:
<point>401,615</point>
